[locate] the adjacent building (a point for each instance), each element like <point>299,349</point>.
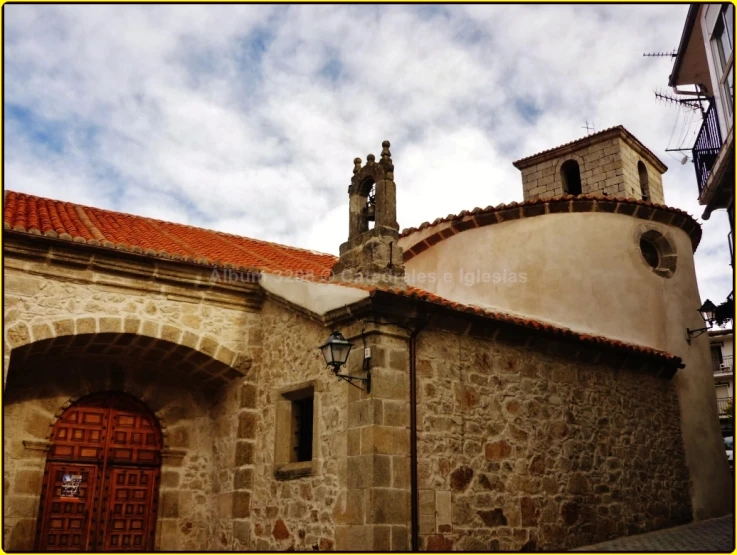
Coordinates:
<point>519,379</point>
<point>705,61</point>
<point>722,361</point>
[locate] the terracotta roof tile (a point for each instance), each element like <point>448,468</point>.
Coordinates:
<point>414,292</point>
<point>564,198</point>
<point>157,238</point>
<point>165,239</point>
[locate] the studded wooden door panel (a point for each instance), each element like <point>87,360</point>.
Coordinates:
<point>130,521</point>
<point>133,438</point>
<point>79,435</point>
<point>117,442</point>
<point>68,509</point>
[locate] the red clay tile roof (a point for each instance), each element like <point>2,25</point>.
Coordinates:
<point>689,222</point>
<point>593,138</point>
<point>33,215</point>
<point>94,226</point>
<point>421,294</point>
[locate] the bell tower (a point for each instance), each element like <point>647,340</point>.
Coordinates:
<point>610,163</point>
<point>371,252</point>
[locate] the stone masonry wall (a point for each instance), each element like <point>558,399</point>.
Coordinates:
<point>203,497</point>
<point>609,166</point>
<point>295,513</point>
<point>43,301</point>
<point>357,495</point>
<point>631,175</point>
<point>519,450</point>
<point>36,395</point>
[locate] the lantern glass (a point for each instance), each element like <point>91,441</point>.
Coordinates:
<point>708,311</point>
<point>327,352</point>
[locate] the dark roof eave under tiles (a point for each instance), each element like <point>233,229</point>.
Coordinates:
<point>591,202</point>
<point>414,293</point>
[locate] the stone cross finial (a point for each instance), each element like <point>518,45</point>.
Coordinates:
<point>356,165</point>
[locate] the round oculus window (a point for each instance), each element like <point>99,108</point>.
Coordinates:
<point>658,253</point>
<point>650,252</point>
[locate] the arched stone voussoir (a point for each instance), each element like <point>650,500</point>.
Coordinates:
<point>199,355</point>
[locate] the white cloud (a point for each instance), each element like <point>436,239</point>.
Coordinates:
<point>247,118</point>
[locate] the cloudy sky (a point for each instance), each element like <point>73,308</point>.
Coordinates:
<point>246,118</point>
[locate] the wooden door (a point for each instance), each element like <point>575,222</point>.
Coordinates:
<point>102,477</point>
<point>129,514</point>
<point>67,522</point>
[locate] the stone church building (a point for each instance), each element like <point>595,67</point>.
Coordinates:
<point>520,378</point>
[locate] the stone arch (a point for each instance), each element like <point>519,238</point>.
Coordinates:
<point>570,176</point>
<point>131,333</point>
<point>49,375</point>
<point>366,185</point>
<point>558,175</point>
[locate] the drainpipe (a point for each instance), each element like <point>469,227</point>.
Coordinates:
<point>414,489</point>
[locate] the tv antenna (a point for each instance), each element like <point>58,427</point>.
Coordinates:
<point>660,54</point>
<point>690,103</point>
<point>589,128</point>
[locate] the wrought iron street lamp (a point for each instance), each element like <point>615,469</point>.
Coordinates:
<point>708,313</point>
<point>336,350</point>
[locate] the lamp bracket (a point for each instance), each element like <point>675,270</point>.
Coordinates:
<point>695,333</point>
<point>351,379</point>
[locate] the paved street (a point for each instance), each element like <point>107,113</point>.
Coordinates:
<point>707,536</point>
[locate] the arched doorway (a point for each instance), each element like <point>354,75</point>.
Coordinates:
<point>101,481</point>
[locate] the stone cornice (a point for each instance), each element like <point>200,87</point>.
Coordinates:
<point>480,217</point>
<point>105,266</point>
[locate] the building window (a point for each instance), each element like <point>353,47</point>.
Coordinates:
<point>644,182</point>
<point>295,432</point>
<point>570,175</point>
<point>722,40</point>
<point>650,252</point>
<point>302,429</point>
<point>658,253</point>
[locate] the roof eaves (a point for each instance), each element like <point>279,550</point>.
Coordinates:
<point>691,18</point>
<point>130,249</point>
<point>594,138</point>
<point>416,294</point>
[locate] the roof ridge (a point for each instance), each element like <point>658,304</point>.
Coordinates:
<point>620,128</point>
<point>160,221</point>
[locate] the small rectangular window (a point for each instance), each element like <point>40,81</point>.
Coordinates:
<point>302,429</point>
<point>295,432</point>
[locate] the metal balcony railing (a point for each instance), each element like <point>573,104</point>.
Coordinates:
<point>706,148</point>
<point>724,405</point>
<point>726,365</point>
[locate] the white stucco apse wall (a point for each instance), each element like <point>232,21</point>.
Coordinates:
<point>585,271</point>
